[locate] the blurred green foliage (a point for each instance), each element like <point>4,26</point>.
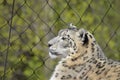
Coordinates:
<point>34,22</point>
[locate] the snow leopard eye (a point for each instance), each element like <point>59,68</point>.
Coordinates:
<point>63,38</point>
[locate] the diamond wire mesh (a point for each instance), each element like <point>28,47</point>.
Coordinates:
<point>27,26</point>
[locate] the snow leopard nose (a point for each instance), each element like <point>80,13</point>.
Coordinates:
<point>52,41</point>
<point>49,45</point>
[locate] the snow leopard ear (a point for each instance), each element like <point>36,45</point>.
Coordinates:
<point>72,27</point>
<point>83,36</point>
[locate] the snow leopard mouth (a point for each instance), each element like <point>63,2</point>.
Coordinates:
<point>54,53</point>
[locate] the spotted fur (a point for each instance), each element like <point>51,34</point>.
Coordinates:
<point>81,57</point>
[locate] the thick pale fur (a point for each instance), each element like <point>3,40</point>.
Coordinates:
<point>85,62</point>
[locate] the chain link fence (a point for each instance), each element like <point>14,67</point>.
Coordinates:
<point>27,25</point>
